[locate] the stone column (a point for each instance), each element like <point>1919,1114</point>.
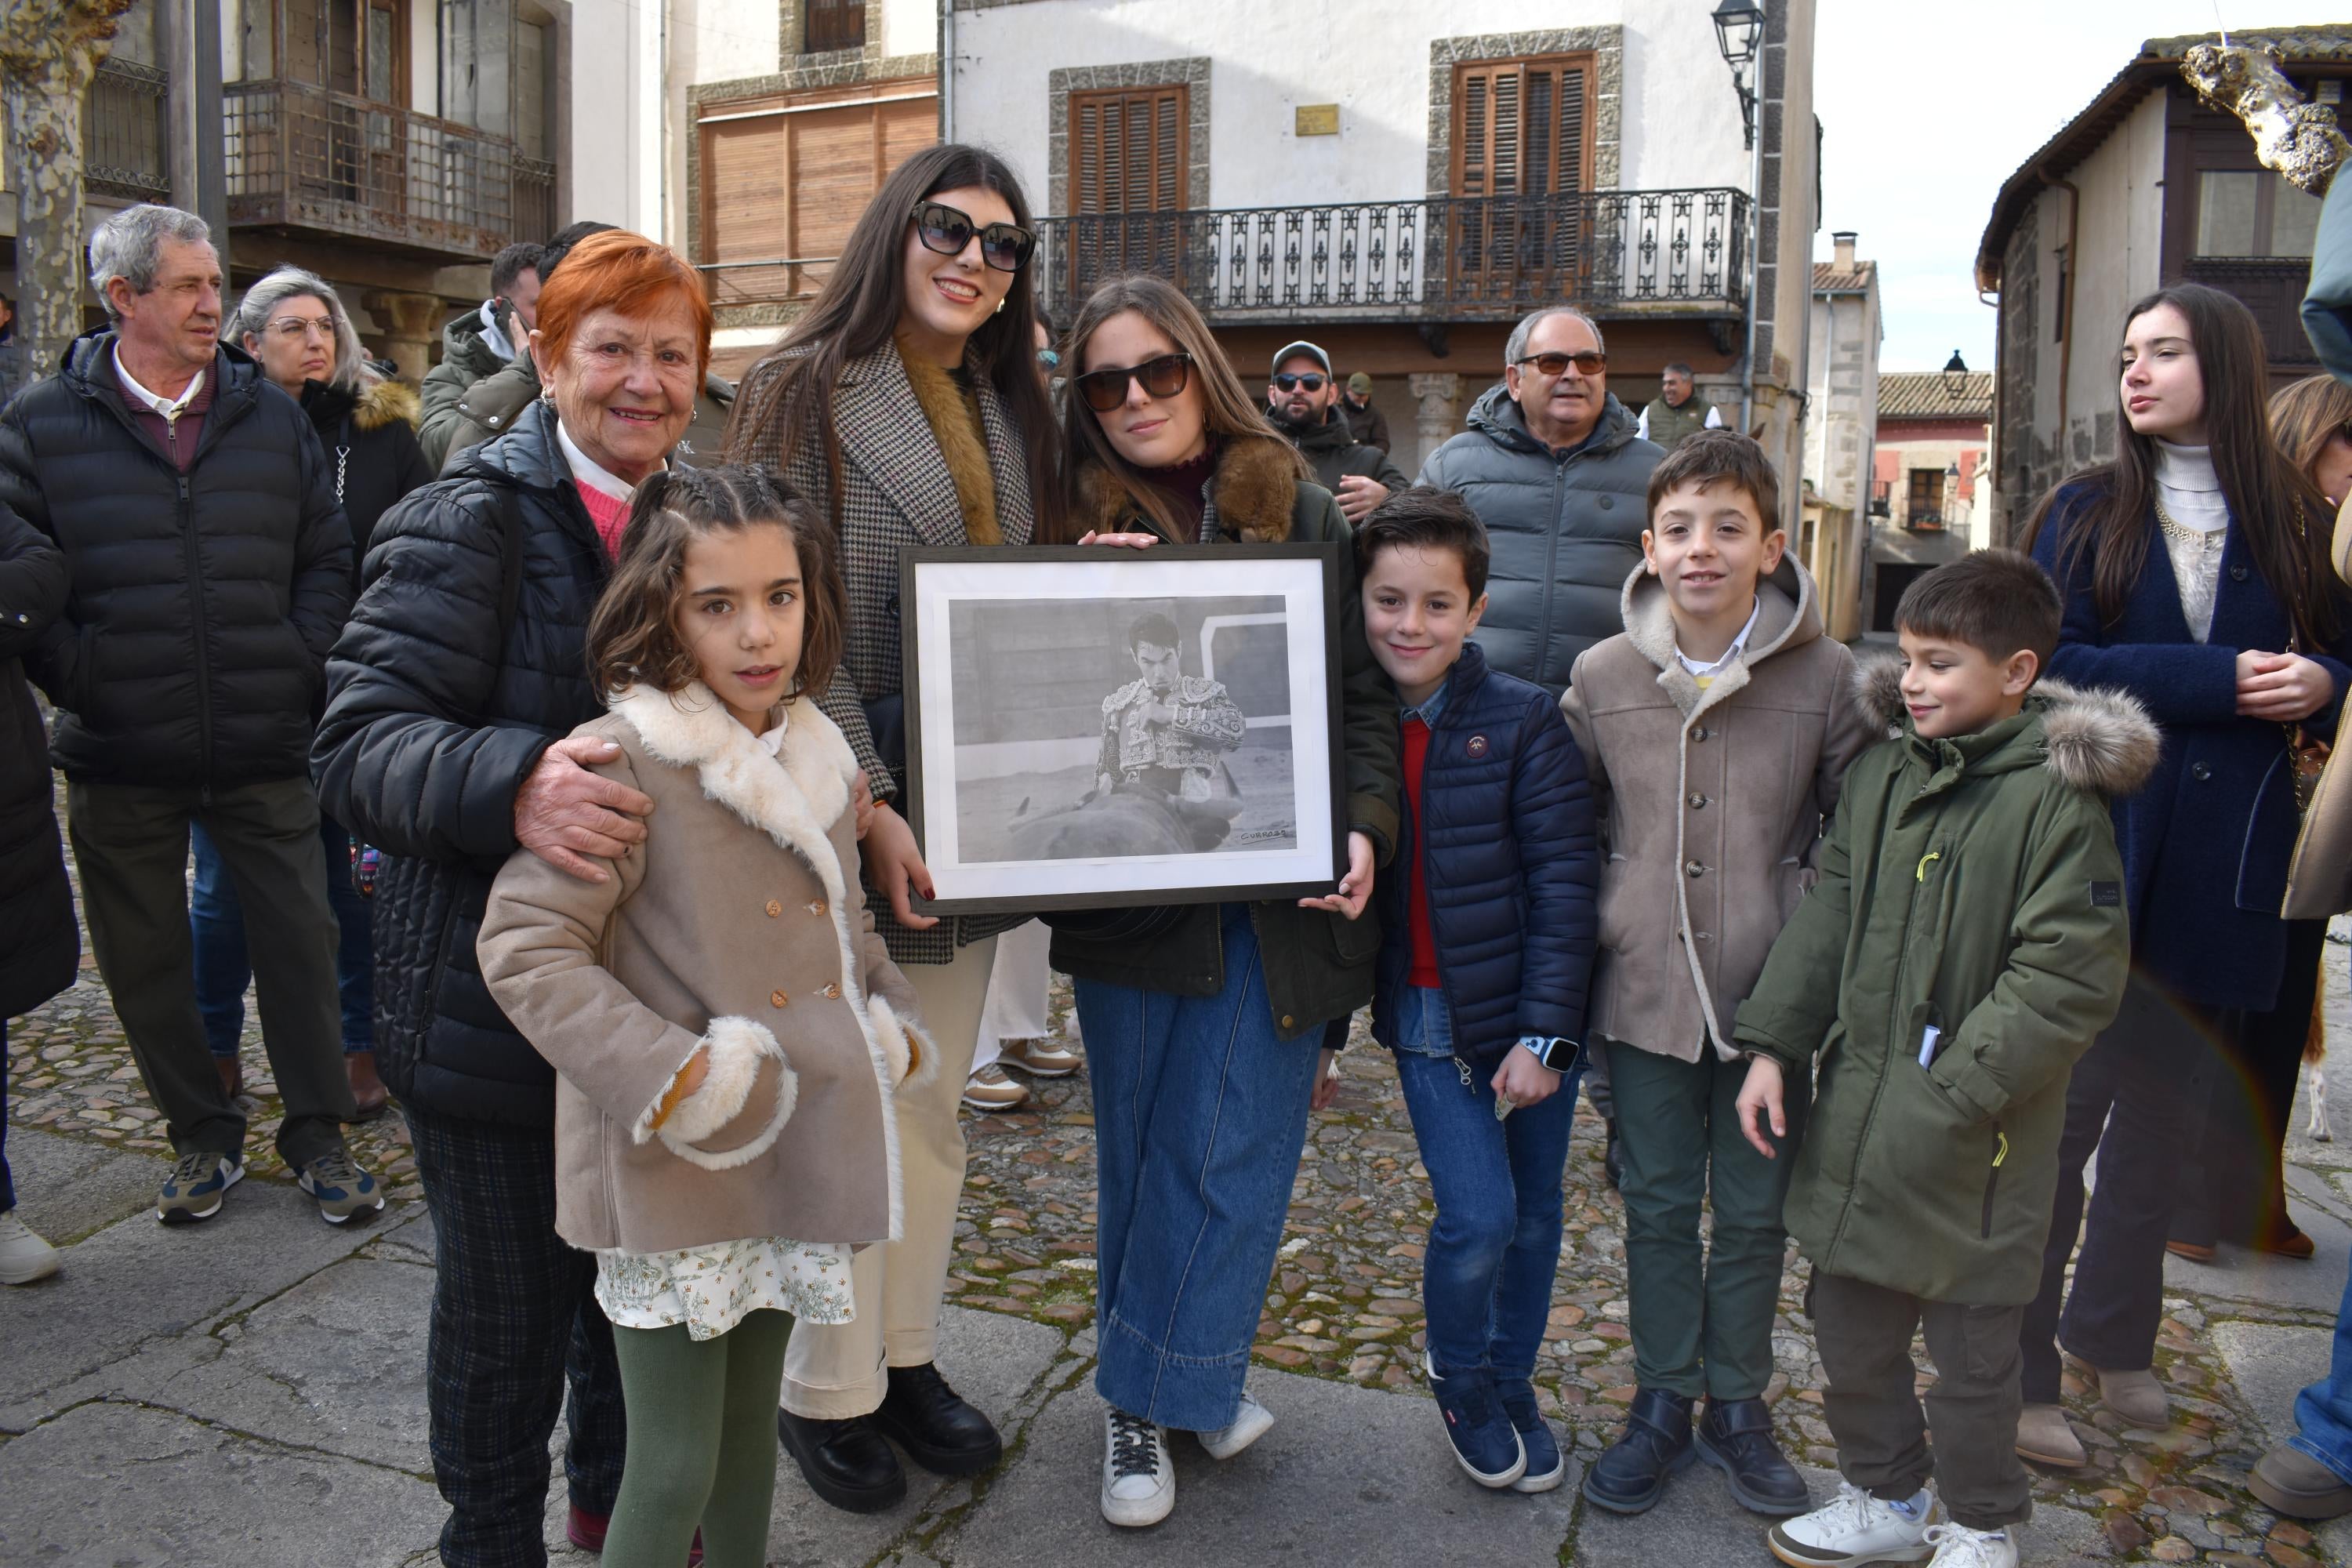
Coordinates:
<point>1439,412</point>
<point>412,327</point>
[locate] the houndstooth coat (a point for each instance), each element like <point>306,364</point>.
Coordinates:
<point>896,491</point>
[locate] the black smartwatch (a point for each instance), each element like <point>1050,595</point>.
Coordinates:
<point>1556,1053</point>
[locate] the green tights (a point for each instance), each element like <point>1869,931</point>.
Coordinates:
<point>702,1444</point>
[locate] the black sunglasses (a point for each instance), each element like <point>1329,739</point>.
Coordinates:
<point>1310,381</point>
<point>1003,246</point>
<point>1106,389</point>
<point>1590,362</point>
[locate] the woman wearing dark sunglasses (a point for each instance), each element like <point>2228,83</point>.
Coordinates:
<point>908,406</point>
<point>1203,1025</point>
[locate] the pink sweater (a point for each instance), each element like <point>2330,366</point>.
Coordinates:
<point>609,513</point>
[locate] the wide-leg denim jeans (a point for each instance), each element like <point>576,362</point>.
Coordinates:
<point>1200,1115</point>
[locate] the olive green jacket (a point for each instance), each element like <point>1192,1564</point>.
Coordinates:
<point>1319,966</point>
<point>1972,885</point>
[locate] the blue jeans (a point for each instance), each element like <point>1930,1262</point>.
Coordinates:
<point>2324,1410</point>
<point>224,968</point>
<point>1486,1278</point>
<point>1200,1115</point>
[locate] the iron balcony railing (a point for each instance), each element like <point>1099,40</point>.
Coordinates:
<point>305,158</point>
<point>127,152</point>
<point>1677,252</point>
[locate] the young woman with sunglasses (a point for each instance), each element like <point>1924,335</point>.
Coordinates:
<point>2194,569</point>
<point>906,406</point>
<point>1203,1025</point>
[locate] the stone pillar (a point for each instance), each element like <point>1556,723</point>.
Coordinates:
<point>1439,412</point>
<point>412,327</point>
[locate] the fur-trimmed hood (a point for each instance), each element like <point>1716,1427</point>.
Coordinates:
<point>386,401</point>
<point>2095,739</point>
<point>1788,616</point>
<point>1250,495</point>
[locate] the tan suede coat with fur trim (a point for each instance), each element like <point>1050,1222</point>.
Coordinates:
<point>733,930</point>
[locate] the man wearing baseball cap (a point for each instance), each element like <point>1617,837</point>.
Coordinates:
<point>1302,400</point>
<point>1365,423</point>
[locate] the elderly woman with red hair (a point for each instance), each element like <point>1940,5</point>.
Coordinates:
<point>450,695</point>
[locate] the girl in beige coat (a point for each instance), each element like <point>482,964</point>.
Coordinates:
<point>727,1031</point>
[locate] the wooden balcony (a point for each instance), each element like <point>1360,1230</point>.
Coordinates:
<point>1679,254</point>
<point>2272,287</point>
<point>305,159</point>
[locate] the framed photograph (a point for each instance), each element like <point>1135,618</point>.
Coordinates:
<point>1094,727</point>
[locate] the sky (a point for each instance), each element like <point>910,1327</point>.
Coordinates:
<point>1925,110</point>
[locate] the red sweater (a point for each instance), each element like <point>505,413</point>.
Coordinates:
<point>610,514</point>
<point>1424,972</point>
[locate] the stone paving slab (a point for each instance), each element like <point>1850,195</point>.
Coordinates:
<point>122,1486</point>
<point>139,1280</point>
<point>2271,1364</point>
<point>2312,1284</point>
<point>67,1188</point>
<point>1348,1475</point>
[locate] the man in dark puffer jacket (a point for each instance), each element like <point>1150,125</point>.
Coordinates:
<point>211,570</point>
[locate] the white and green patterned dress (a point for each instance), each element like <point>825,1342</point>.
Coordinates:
<point>709,1289</point>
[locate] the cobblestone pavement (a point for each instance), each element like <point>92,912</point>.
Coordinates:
<point>1344,1305</point>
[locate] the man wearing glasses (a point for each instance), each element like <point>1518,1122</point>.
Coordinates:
<point>1303,401</point>
<point>1553,466</point>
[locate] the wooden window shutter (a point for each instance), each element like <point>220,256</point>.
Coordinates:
<point>1127,149</point>
<point>1520,126</point>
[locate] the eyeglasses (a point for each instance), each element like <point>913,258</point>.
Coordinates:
<point>1004,246</point>
<point>1106,389</point>
<point>293,327</point>
<point>1310,381</point>
<point>1590,362</point>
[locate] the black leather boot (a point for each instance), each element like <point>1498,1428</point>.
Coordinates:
<point>1631,1475</point>
<point>846,1463</point>
<point>939,1430</point>
<point>1735,1435</point>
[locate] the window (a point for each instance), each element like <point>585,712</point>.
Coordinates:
<point>783,184</point>
<point>832,25</point>
<point>2252,212</point>
<point>1128,149</point>
<point>476,64</point>
<point>1518,126</point>
<point>1925,509</point>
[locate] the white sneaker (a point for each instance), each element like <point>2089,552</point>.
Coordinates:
<point>1957,1546</point>
<point>1138,1479</point>
<point>1251,1423</point>
<point>1857,1529</point>
<point>24,1257</point>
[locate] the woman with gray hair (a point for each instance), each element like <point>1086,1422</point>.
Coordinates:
<point>292,323</point>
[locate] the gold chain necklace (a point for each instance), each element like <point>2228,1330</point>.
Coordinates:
<point>2204,539</point>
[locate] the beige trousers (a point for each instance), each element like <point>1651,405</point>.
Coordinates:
<point>833,1370</point>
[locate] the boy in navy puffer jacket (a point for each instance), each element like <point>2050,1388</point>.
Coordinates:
<point>1487,945</point>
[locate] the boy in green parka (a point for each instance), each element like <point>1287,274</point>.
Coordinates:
<point>1964,945</point>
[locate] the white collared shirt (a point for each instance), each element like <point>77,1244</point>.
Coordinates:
<point>171,408</point>
<point>588,471</point>
<point>492,338</point>
<point>1705,673</point>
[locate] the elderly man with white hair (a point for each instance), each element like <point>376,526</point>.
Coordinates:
<point>210,571</point>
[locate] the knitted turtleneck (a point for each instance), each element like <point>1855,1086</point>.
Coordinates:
<point>1186,484</point>
<point>950,404</point>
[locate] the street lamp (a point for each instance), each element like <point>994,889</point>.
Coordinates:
<point>1738,29</point>
<point>1956,377</point>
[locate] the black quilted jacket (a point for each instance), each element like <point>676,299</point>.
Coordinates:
<point>39,945</point>
<point>434,716</point>
<point>203,604</point>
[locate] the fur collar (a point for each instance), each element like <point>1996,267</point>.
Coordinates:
<point>1788,616</point>
<point>955,425</point>
<point>2097,740</point>
<point>1251,493</point>
<point>387,402</point>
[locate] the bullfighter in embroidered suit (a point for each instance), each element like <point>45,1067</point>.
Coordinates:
<point>1167,732</point>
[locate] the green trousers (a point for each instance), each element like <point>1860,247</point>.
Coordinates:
<point>702,1444</point>
<point>1701,1312</point>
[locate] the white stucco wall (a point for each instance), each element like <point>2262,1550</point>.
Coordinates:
<point>1843,416</point>
<point>909,27</point>
<point>615,113</point>
<point>1371,58</point>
